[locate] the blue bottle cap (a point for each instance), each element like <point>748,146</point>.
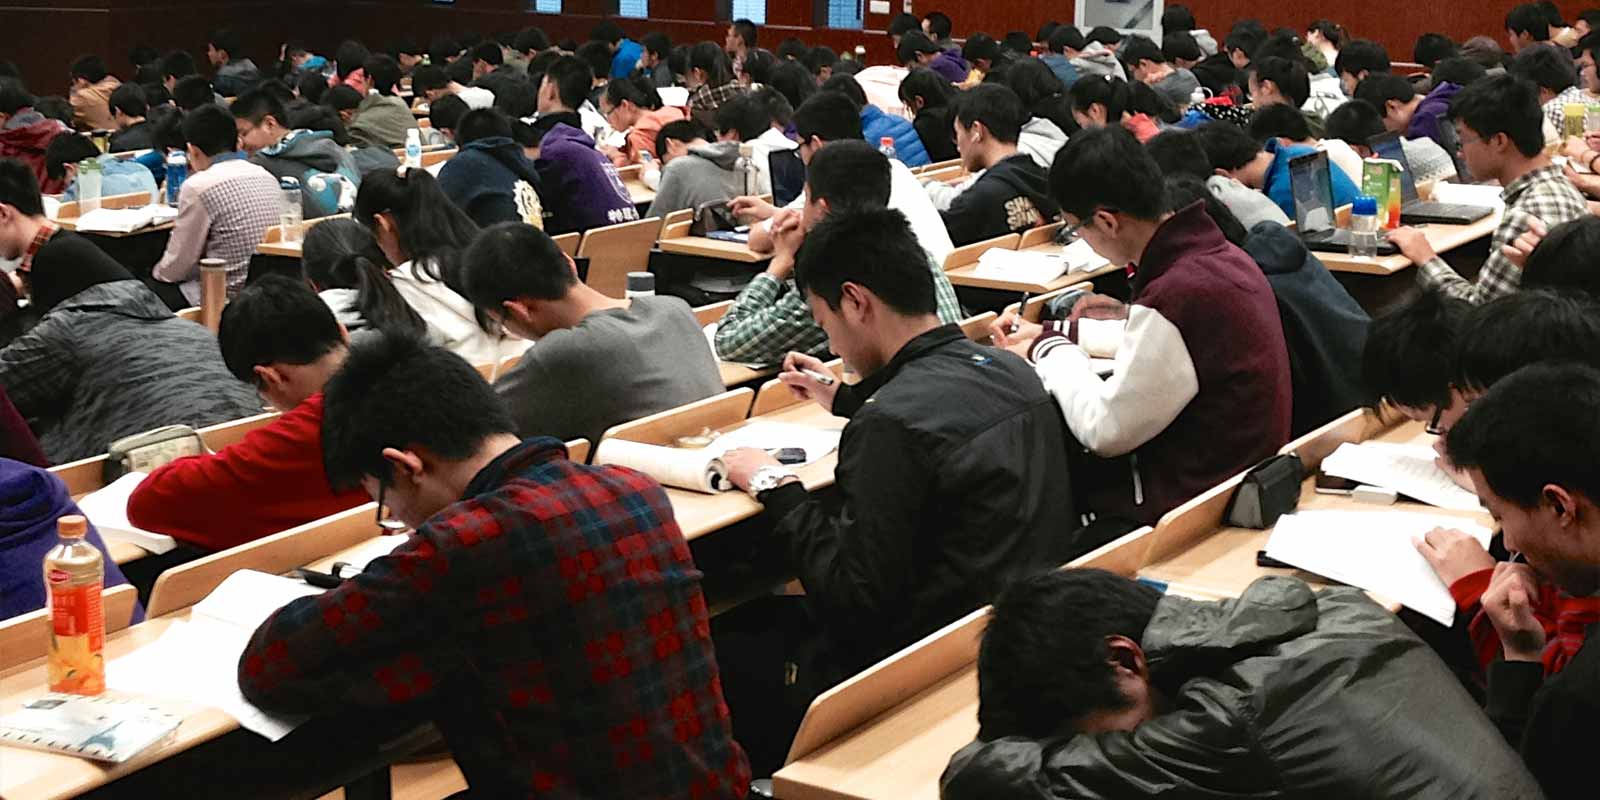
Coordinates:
<point>1364,205</point>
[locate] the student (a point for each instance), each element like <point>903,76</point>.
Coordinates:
<point>1502,139</point>
<point>877,125</point>
<point>756,69</point>
<point>1092,685</point>
<point>600,361</point>
<point>657,47</point>
<point>1151,68</point>
<point>564,97</point>
<point>1289,125</point>
<point>1357,121</point>
<point>444,116</point>
<point>486,57</point>
<point>695,171</point>
<point>1431,48</point>
<point>224,207</point>
<point>631,105</point>
<point>1551,69</point>
<point>1181,50</point>
<point>1327,38</point>
<point>486,647</point>
<point>1100,101</point>
<point>310,157</point>
<point>382,119</point>
<point>128,109</point>
<point>949,472</point>
<point>1565,258</point>
<point>832,117</point>
<point>25,134</point>
<point>1526,26</point>
<point>279,338</point>
<point>107,359</point>
<point>234,72</point>
<point>1264,167</point>
<point>1049,109</point>
<point>117,175</point>
<point>740,40</point>
<point>917,50</point>
<point>1404,111</point>
<point>929,97</point>
<point>1281,81</point>
<point>1063,45</point>
<point>193,92</point>
<point>820,61</point>
<point>1224,73</point>
<point>349,272</point>
<point>625,52</point>
<point>711,82</point>
<point>175,66</point>
<point>429,83</point>
<point>582,190</point>
<point>490,178</point>
<point>770,318</point>
<point>769,114</point>
<point>938,26</point>
<point>1358,60</point>
<point>424,235</point>
<point>90,95</point>
<point>1012,194</point>
<point>1187,407</point>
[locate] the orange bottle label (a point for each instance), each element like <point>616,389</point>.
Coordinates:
<point>77,625</point>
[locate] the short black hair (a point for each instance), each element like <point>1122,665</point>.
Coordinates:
<point>1547,66</point>
<point>792,49</point>
<point>1286,74</point>
<point>130,100</point>
<point>780,112</point>
<point>399,391</point>
<point>14,96</point>
<point>980,46</point>
<point>851,175</point>
<point>1177,18</point>
<point>19,187</point>
<point>1108,168</point>
<point>482,123</point>
<point>447,112</point>
<point>939,24</point>
<point>744,116</point>
<point>1353,122</point>
<point>1502,104</point>
<point>1245,38</point>
<point>210,130</point>
<point>1540,426</point>
<point>597,55</point>
<point>872,248</point>
<point>1044,663</point>
<point>489,53</point>
<point>903,24</point>
<point>637,89</point>
<point>275,319</point>
<point>1379,88</point>
<point>683,130</point>
<point>997,107</point>
<point>829,116</point>
<point>91,68</point>
<point>1567,259</point>
<point>1431,48</point>
<point>1529,18</point>
<point>658,43</point>
<point>341,98</point>
<point>1181,45</point>
<point>1330,30</point>
<point>177,64</point>
<point>311,87</point>
<point>709,57</point>
<point>531,40</point>
<point>1459,71</point>
<point>573,78</point>
<point>1521,328</point>
<point>226,40</point>
<point>442,49</point>
<point>1227,145</point>
<point>1361,55</point>
<point>256,105</point>
<point>1104,34</point>
<point>795,83</point>
<point>350,56</point>
<point>758,66</point>
<point>820,57</point>
<point>1064,38</point>
<point>383,71</point>
<point>1178,152</point>
<point>1184,190</point>
<point>66,148</point>
<point>1407,359</point>
<point>1141,48</point>
<point>913,43</point>
<point>54,107</point>
<point>427,77</point>
<point>510,261</point>
<point>1279,120</point>
<point>933,89</point>
<point>746,31</point>
<point>606,31</point>
<point>848,86</point>
<point>1017,42</point>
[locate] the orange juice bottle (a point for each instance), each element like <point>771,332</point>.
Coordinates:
<point>74,573</point>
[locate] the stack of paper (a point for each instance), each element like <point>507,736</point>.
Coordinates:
<point>1372,550</point>
<point>125,220</point>
<point>108,510</point>
<point>1080,257</point>
<point>198,660</point>
<point>675,96</point>
<point>1407,469</point>
<point>1023,266</point>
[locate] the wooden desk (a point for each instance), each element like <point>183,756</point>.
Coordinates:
<point>272,243</point>
<point>968,276</point>
<point>739,374</point>
<point>711,248</point>
<point>1444,238</point>
<point>638,192</point>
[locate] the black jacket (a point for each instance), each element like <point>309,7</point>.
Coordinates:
<point>1278,694</point>
<point>933,128</point>
<point>493,181</point>
<point>1217,73</point>
<point>1552,719</point>
<point>1011,197</point>
<point>1323,325</point>
<point>951,476</point>
<point>138,136</point>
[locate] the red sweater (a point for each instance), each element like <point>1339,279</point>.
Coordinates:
<point>269,481</point>
<point>1565,619</point>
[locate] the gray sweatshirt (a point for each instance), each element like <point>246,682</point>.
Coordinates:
<point>705,174</point>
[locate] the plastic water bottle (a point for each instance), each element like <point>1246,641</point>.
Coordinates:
<point>745,170</point>
<point>886,147</point>
<point>291,217</point>
<point>91,175</point>
<point>177,172</point>
<point>1364,227</point>
<point>413,149</point>
<point>74,574</point>
<point>1198,96</point>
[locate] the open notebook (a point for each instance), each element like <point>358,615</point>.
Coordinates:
<point>107,508</point>
<point>125,220</point>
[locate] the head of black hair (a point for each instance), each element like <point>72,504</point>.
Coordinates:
<point>794,82</point>
<point>572,78</point>
<point>1431,47</point>
<point>1328,29</point>
<point>448,112</point>
<point>829,116</point>
<point>996,107</point>
<point>1408,356</point>
<point>758,66</point>
<point>638,90</point>
<point>341,254</point>
<point>683,130</point>
<point>747,32</point>
<point>350,56</point>
<point>709,58</point>
<point>482,123</point>
<point>913,44</point>
<point>1547,66</point>
<point>440,50</point>
<point>1104,34</point>
<point>66,148</point>
<point>531,40</point>
<point>19,187</point>
<point>1185,190</point>
<point>657,44</point>
<point>597,55</point>
<point>903,24</point>
<point>1354,122</point>
<point>256,105</point>
<point>1530,19</point>
<point>433,231</point>
<point>1288,75</point>
<point>426,78</point>
<point>1381,87</point>
<point>91,68</point>
<point>607,32</point>
<point>1227,145</point>
<point>848,86</point>
<point>1178,152</point>
<point>1361,55</point>
<point>275,319</point>
<point>1018,43</point>
<point>1567,259</point>
<point>779,112</point>
<point>210,130</point>
<point>1177,18</point>
<point>1180,46</point>
<point>1459,71</point>
<point>1538,427</point>
<point>1279,121</point>
<point>129,99</point>
<point>980,47</point>
<point>1106,168</point>
<point>850,175</point>
<point>821,57</point>
<point>177,64</point>
<point>1141,48</point>
<point>1065,38</point>
<point>1502,104</point>
<point>513,261</point>
<point>743,116</point>
<point>341,98</point>
<point>923,89</point>
<point>872,248</point>
<point>939,24</point>
<point>1512,331</point>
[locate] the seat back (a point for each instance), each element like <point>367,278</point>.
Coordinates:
<point>616,250</point>
<point>963,256</point>
<point>26,637</point>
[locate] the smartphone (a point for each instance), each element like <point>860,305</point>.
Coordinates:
<point>1328,484</point>
<point>790,455</point>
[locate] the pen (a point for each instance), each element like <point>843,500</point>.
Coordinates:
<point>825,380</point>
<point>1016,324</point>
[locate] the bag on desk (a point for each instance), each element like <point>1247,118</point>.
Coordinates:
<point>712,216</point>
<point>143,452</point>
<point>1268,491</point>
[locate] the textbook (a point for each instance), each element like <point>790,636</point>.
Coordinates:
<point>700,469</point>
<point>103,728</point>
<point>1407,469</point>
<point>125,220</point>
<point>107,508</point>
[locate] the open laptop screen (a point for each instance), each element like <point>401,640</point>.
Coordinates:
<point>1312,185</point>
<point>1388,145</point>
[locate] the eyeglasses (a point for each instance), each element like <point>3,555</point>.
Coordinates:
<point>386,525</point>
<point>1432,428</point>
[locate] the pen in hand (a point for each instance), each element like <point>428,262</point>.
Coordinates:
<point>1016,324</point>
<point>825,380</point>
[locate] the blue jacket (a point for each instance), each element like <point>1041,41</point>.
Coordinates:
<point>1278,187</point>
<point>1062,67</point>
<point>31,500</point>
<point>119,176</point>
<point>627,57</point>
<point>875,125</point>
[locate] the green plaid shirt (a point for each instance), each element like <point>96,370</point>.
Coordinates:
<point>770,319</point>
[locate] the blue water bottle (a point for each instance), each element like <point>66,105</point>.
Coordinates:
<point>177,171</point>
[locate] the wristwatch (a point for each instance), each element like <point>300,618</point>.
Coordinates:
<point>767,478</point>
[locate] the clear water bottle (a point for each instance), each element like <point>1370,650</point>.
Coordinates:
<point>886,147</point>
<point>1364,227</point>
<point>413,149</point>
<point>291,217</point>
<point>177,172</point>
<point>91,175</point>
<point>745,170</point>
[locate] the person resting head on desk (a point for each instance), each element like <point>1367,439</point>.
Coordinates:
<point>1092,685</point>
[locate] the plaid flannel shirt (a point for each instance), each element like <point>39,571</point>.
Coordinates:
<point>1544,193</point>
<point>706,99</point>
<point>770,319</point>
<point>551,620</point>
<point>1556,109</point>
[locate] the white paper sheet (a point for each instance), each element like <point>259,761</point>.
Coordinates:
<point>1407,469</point>
<point>107,508</point>
<point>675,96</point>
<point>363,555</point>
<point>125,220</point>
<point>1372,550</point>
<point>1080,257</point>
<point>246,598</point>
<point>1024,266</point>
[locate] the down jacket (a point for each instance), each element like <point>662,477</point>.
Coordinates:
<point>876,124</point>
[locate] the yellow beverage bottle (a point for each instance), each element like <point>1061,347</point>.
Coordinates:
<point>74,574</point>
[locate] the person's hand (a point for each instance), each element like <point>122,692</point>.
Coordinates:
<point>1097,306</point>
<point>1592,140</point>
<point>1452,554</point>
<point>1413,244</point>
<point>1509,604</point>
<point>1576,149</point>
<point>1587,183</point>
<point>1520,248</point>
<point>742,464</point>
<point>1019,341</point>
<point>794,375</point>
<point>787,232</point>
<point>752,208</point>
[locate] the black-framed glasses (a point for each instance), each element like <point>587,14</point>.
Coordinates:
<point>1432,428</point>
<point>385,524</point>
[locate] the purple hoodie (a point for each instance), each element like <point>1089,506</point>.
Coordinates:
<point>1433,108</point>
<point>578,186</point>
<point>31,500</point>
<point>951,65</point>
